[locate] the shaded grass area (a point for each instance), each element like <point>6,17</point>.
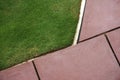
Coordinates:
<point>32,28</point>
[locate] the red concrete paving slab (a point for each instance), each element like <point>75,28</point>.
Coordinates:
<point>23,72</point>
<point>90,60</point>
<point>100,16</point>
<point>114,38</point>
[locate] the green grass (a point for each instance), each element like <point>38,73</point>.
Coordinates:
<point>30,28</point>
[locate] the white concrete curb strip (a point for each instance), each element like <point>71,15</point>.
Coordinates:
<point>79,22</point>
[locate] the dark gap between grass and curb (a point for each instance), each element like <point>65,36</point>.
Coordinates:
<point>82,22</point>
<point>112,49</point>
<point>99,34</point>
<point>36,70</point>
<point>49,52</point>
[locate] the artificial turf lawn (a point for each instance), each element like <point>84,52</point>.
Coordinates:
<point>29,28</point>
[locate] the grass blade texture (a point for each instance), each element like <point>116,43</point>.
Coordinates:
<point>30,28</point>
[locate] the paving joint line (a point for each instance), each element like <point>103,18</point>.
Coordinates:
<point>99,34</point>
<point>112,49</point>
<point>36,70</point>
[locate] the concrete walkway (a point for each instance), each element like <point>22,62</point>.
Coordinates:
<point>95,57</point>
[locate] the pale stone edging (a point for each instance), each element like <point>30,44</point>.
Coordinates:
<point>82,9</point>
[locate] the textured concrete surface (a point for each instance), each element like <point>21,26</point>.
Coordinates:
<point>90,60</point>
<point>100,16</point>
<point>114,38</point>
<point>23,72</point>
